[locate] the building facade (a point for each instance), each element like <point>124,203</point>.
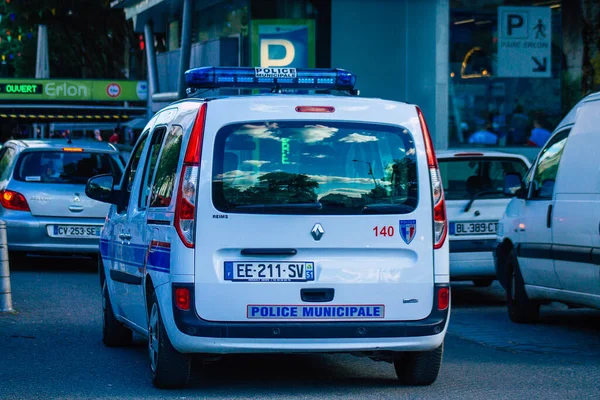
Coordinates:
<point>503,69</point>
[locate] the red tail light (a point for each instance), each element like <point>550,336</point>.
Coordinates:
<point>182,298</point>
<point>315,109</point>
<point>443,298</point>
<point>185,209</point>
<point>13,200</point>
<point>440,224</point>
<point>192,153</point>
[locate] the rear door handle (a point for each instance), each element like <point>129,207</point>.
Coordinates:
<point>269,252</point>
<point>317,295</point>
<point>549,217</point>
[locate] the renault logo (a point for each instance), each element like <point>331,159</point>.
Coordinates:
<point>317,232</point>
<point>76,198</point>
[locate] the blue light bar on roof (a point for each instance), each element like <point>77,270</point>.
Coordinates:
<point>284,78</point>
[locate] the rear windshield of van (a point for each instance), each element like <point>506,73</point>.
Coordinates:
<point>65,166</point>
<point>299,167</point>
<point>466,177</point>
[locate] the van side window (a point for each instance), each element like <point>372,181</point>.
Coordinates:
<point>6,158</point>
<point>155,143</point>
<point>129,175</point>
<point>546,168</point>
<point>527,178</point>
<point>164,182</point>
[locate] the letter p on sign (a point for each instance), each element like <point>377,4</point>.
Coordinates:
<point>515,25</point>
<point>270,46</point>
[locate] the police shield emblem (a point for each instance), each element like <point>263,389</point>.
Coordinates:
<point>408,230</point>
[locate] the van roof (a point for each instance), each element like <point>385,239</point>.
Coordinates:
<point>569,119</point>
<point>284,95</point>
<point>445,154</point>
<point>592,97</point>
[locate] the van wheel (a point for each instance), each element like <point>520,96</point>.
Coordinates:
<point>114,333</point>
<point>419,368</point>
<point>170,369</point>
<point>520,309</point>
<point>483,282</point>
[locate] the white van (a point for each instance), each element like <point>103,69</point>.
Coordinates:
<point>278,223</point>
<point>549,237</point>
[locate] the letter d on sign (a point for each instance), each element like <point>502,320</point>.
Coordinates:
<point>266,61</point>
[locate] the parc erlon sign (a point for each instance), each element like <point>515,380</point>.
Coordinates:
<point>72,90</point>
<point>524,42</point>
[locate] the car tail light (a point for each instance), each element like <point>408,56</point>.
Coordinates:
<point>315,109</point>
<point>443,298</point>
<point>13,201</point>
<point>440,224</point>
<point>185,209</point>
<point>182,298</point>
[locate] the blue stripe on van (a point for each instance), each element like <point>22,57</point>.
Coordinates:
<point>104,248</point>
<point>135,255</point>
<point>159,259</point>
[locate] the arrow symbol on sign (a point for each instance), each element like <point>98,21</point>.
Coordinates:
<point>540,67</point>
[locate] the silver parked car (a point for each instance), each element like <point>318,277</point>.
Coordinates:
<point>42,195</point>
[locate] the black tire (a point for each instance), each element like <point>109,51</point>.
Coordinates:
<point>169,368</point>
<point>520,309</point>
<point>114,333</point>
<point>419,368</point>
<point>17,259</point>
<point>483,282</point>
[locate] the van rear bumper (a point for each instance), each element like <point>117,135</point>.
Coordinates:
<point>304,336</point>
<point>194,344</point>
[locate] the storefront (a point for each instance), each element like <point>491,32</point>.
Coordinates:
<point>487,73</point>
<point>48,107</point>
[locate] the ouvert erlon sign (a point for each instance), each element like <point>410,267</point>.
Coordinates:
<point>73,90</point>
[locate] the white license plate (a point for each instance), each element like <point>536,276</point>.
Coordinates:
<point>75,231</point>
<point>473,228</point>
<point>271,271</point>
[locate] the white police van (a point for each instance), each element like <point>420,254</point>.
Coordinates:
<point>278,223</point>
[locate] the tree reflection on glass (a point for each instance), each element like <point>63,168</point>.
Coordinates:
<point>273,188</point>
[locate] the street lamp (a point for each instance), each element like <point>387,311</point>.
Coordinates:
<point>370,171</point>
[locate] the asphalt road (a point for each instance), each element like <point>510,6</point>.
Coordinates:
<point>52,349</point>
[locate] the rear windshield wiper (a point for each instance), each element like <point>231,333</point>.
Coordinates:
<point>284,206</point>
<point>479,194</point>
<point>387,209</point>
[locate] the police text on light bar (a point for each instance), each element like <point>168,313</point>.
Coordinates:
<point>285,78</point>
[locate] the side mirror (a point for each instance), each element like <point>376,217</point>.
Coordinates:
<point>513,185</point>
<point>100,188</point>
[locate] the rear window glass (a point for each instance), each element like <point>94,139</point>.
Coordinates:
<point>482,177</point>
<point>293,167</point>
<point>65,167</point>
